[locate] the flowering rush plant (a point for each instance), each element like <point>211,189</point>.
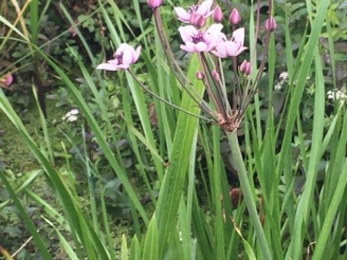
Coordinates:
<point>202,34</point>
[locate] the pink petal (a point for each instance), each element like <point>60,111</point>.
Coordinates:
<point>122,47</point>
<point>200,47</point>
<point>209,14</point>
<point>213,36</point>
<point>185,48</point>
<point>205,7</point>
<point>228,49</point>
<point>231,49</point>
<point>113,62</point>
<point>213,32</point>
<point>239,35</point>
<point>240,50</point>
<point>182,14</point>
<point>137,53</point>
<point>107,66</point>
<point>189,47</point>
<point>187,32</point>
<point>221,38</point>
<point>128,56</point>
<point>122,66</point>
<point>221,50</point>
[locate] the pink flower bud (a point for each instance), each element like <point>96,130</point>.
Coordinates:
<point>234,17</point>
<point>72,31</point>
<point>200,75</point>
<point>154,3</point>
<point>6,81</point>
<point>197,20</point>
<point>217,14</point>
<point>215,75</point>
<point>246,68</point>
<point>270,24</point>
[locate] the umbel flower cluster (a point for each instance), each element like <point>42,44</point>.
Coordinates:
<point>201,33</point>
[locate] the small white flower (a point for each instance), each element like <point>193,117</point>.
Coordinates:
<point>278,86</point>
<point>284,75</point>
<point>74,111</point>
<point>337,95</point>
<point>330,94</point>
<point>283,79</point>
<point>72,118</point>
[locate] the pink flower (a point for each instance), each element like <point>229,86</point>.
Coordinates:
<point>154,3</point>
<point>200,41</point>
<point>7,80</point>
<point>195,13</point>
<point>123,58</point>
<point>233,47</point>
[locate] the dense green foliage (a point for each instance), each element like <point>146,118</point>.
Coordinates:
<point>94,167</point>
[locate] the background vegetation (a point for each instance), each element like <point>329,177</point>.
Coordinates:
<point>133,178</point>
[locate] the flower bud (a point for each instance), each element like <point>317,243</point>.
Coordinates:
<point>234,17</point>
<point>236,197</point>
<point>9,79</point>
<point>217,14</point>
<point>200,75</point>
<point>215,75</point>
<point>6,81</point>
<point>270,24</point>
<point>197,20</point>
<point>154,3</point>
<point>246,68</point>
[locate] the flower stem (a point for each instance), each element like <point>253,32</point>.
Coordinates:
<point>165,101</point>
<point>247,193</point>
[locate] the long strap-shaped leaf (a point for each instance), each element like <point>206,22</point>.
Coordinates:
<point>172,187</point>
<point>311,51</point>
